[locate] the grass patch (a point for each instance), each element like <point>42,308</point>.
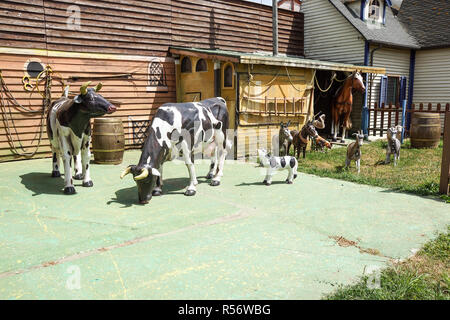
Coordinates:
<point>425,276</point>
<point>418,170</point>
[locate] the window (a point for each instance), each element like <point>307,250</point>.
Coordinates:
<point>374,9</point>
<point>156,74</point>
<point>228,76</point>
<point>201,66</point>
<point>34,68</point>
<point>186,65</point>
<point>392,90</point>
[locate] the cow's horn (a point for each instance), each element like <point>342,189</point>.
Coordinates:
<point>84,87</point>
<point>98,87</point>
<point>125,172</point>
<point>143,175</point>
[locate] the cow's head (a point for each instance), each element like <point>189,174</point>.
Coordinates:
<point>145,178</point>
<point>92,103</point>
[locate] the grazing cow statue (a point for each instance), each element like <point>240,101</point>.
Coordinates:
<point>181,126</point>
<point>69,132</point>
<point>282,140</point>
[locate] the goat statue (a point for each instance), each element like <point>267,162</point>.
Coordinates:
<point>354,151</point>
<point>393,146</point>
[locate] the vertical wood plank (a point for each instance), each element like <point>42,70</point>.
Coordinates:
<point>389,116</point>
<point>445,167</point>
<point>375,113</point>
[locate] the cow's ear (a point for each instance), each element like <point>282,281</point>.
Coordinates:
<point>78,99</point>
<point>84,87</point>
<point>155,172</point>
<point>98,87</point>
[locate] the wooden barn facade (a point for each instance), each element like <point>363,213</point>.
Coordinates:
<point>136,49</point>
<point>125,46</point>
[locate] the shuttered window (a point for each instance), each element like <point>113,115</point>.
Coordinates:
<point>392,90</point>
<point>383,90</point>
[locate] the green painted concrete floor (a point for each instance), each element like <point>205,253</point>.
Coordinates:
<point>241,240</point>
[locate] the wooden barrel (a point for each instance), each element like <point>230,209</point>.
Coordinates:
<point>108,141</point>
<point>425,130</point>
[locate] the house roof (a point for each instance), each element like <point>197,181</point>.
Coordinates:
<point>266,59</point>
<point>392,33</point>
<point>428,21</point>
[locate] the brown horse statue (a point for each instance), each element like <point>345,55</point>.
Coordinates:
<point>341,106</point>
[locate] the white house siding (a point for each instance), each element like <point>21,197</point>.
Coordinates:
<point>329,36</point>
<point>432,78</point>
<point>396,62</point>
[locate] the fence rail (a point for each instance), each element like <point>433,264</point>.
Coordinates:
<point>398,115</point>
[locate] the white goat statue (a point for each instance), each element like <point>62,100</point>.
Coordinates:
<point>394,135</point>
<point>273,164</point>
<point>354,151</point>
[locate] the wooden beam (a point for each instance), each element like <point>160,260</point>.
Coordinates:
<point>204,55</point>
<point>445,167</point>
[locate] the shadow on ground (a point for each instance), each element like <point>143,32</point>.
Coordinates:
<point>42,183</point>
<point>129,196</point>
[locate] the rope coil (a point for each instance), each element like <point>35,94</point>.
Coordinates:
<point>7,100</point>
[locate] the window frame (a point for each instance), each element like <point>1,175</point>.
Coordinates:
<point>206,65</point>
<point>224,67</point>
<point>181,64</point>
<point>378,10</point>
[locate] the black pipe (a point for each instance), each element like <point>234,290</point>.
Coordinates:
<point>275,26</point>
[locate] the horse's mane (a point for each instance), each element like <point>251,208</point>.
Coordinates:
<point>339,90</point>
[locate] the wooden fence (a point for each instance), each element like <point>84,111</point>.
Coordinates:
<point>393,115</point>
<point>445,168</point>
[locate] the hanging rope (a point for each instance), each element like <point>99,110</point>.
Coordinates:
<point>8,103</point>
<point>333,78</point>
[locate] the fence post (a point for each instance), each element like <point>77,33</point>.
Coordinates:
<point>403,119</point>
<point>445,168</point>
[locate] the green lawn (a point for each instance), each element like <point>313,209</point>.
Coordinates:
<point>425,276</point>
<point>418,170</point>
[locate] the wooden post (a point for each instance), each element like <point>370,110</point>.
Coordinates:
<point>382,120</point>
<point>285,108</point>
<point>389,116</point>
<point>275,104</point>
<point>265,105</point>
<point>445,168</point>
<point>375,112</point>
<point>397,111</point>
<point>403,119</point>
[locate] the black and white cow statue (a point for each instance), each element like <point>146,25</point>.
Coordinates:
<point>181,127</point>
<point>69,132</point>
<point>274,163</point>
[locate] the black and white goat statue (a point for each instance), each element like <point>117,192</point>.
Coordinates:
<point>274,163</point>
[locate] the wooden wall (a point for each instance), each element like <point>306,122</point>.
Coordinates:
<point>123,37</point>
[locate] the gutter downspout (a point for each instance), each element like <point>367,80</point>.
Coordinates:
<point>275,26</point>
<point>412,67</point>
<point>365,110</point>
<point>368,95</point>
